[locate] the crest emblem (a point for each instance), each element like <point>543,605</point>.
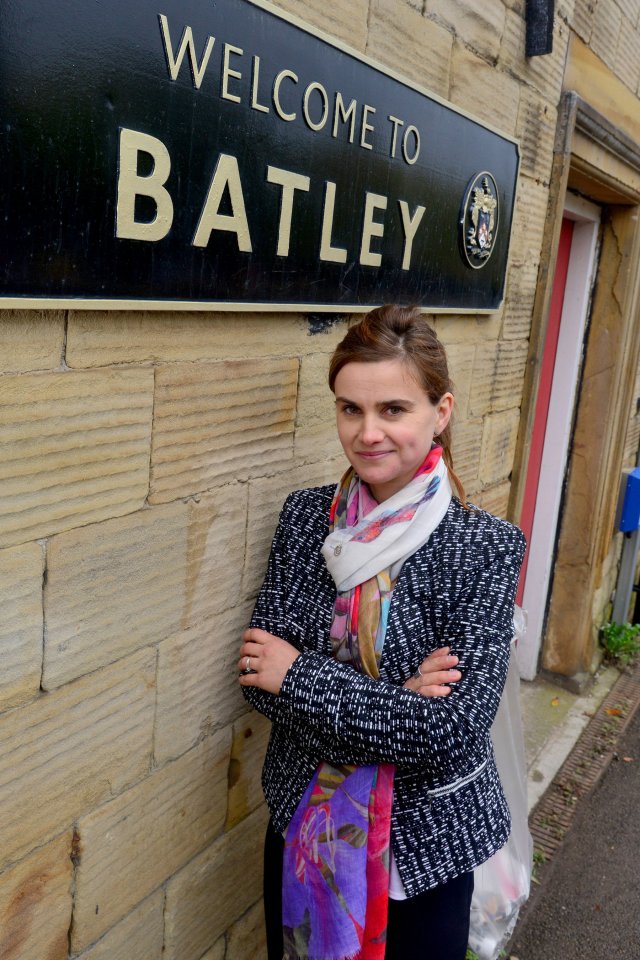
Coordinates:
<point>479,220</point>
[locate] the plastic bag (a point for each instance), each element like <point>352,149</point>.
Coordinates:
<point>502,884</point>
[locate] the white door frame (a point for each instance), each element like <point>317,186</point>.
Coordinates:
<point>559,423</point>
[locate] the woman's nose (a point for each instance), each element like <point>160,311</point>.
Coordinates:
<point>372,431</point>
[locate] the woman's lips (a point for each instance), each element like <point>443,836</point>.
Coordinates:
<point>374,455</point>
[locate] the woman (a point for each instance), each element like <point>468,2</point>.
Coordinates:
<point>379,647</point>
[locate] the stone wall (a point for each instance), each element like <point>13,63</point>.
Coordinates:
<point>145,458</point>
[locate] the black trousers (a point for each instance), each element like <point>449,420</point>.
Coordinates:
<point>432,926</point>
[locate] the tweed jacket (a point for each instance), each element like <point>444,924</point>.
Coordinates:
<point>449,811</point>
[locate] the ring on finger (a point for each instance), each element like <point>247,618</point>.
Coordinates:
<point>418,673</point>
<point>247,665</point>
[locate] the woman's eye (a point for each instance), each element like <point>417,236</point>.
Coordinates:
<point>349,409</point>
<point>394,411</point>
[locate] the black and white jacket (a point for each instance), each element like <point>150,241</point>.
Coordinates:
<point>449,811</point>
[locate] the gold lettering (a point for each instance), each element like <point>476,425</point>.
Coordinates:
<point>186,43</point>
<point>255,80</point>
<point>325,106</point>
<point>394,133</point>
<point>370,229</point>
<point>410,226</point>
<point>366,110</point>
<point>342,115</point>
<point>327,251</point>
<point>283,75</point>
<point>226,174</point>
<point>405,149</point>
<point>227,72</point>
<point>289,182</point>
<point>131,185</point>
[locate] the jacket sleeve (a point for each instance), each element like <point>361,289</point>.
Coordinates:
<point>391,724</point>
<point>270,613</point>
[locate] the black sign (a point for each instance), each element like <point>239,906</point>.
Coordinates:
<point>211,152</point>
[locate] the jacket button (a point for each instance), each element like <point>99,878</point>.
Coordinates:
<point>337,550</point>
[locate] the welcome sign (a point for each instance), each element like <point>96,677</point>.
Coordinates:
<point>213,153</point>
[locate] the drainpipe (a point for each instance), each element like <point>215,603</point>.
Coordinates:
<point>539,27</point>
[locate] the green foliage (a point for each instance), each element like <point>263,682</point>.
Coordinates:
<point>470,955</point>
<point>539,857</point>
<point>621,642</point>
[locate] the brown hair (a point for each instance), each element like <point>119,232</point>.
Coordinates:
<point>402,333</point>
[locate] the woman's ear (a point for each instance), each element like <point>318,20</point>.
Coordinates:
<point>445,409</point>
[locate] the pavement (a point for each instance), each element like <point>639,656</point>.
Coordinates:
<point>587,904</point>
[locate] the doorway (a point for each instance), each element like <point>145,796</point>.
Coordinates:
<point>554,416</point>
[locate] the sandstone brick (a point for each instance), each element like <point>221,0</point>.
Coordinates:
<point>316,436</point>
<point>460,359</point>
<point>75,449</point>
<point>399,37</point>
<point>265,502</point>
<point>198,689</point>
<point>495,500</point>
<point>498,376</point>
<point>112,588</point>
<point>35,904</point>
<point>544,73</point>
<point>250,738</point>
<point>466,329</point>
<point>67,751</point>
<point>217,951</point>
<point>583,17</point>
<point>479,26</point>
<point>21,570</point>
<point>498,446</point>
<point>342,19</point>
<point>31,340</point>
<point>467,442</point>
<point>132,844</point>
<point>247,937</point>
<point>214,890</point>
<point>627,63</point>
<point>96,338</point>
<point>528,222</point>
<point>518,309</point>
<point>138,937</point>
<point>215,552</point>
<point>536,132</point>
<point>501,93</point>
<point>607,21</point>
<point>219,421</point>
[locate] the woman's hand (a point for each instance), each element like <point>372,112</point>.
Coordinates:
<point>267,657</point>
<point>437,672</point>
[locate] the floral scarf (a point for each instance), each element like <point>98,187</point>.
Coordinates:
<point>337,846</point>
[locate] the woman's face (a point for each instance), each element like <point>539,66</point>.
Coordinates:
<point>386,423</point>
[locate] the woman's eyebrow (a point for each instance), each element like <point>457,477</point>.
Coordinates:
<point>382,403</point>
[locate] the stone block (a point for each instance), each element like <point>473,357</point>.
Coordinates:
<point>131,845</point>
<point>214,422</point>
<point>217,951</point>
<point>630,9</point>
<point>247,938</point>
<point>21,570</point>
<point>544,73</point>
<point>479,26</point>
<point>112,588</point>
<point>528,222</point>
<point>607,21</point>
<point>342,19</point>
<point>498,105</point>
<point>498,376</point>
<point>520,297</point>
<point>31,340</point>
<point>452,328</point>
<point>36,903</point>
<point>138,937</point>
<point>75,449</point>
<point>248,747</point>
<point>467,442</point>
<point>198,689</point>
<point>96,338</point>
<point>627,63</point>
<point>265,502</point>
<point>495,500</point>
<point>582,19</point>
<point>316,437</point>
<point>536,132</point>
<point>69,750</point>
<point>215,552</point>
<point>214,890</point>
<point>498,446</point>
<point>417,48</point>
<point>460,359</point>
